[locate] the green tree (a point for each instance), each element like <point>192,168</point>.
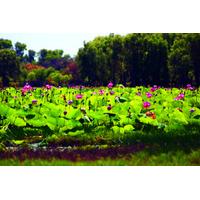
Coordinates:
<point>9,65</point>
<point>154,68</point>
<point>20,48</point>
<point>134,58</point>
<point>180,61</point>
<point>194,48</point>
<point>116,58</point>
<point>31,56</point>
<point>86,59</point>
<point>5,44</point>
<point>57,78</point>
<point>40,76</point>
<point>53,58</point>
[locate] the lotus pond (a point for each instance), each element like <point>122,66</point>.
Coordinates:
<point>106,118</point>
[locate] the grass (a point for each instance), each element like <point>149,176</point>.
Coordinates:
<point>151,149</point>
<point>143,158</point>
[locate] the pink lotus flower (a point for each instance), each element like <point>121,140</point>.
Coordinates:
<point>101,92</point>
<point>149,95</point>
<point>26,88</point>
<point>79,96</point>
<point>110,85</point>
<point>189,87</point>
<point>48,87</point>
<point>146,104</point>
<point>154,88</point>
<point>179,97</point>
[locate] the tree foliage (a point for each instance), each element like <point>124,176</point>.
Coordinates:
<point>53,58</point>
<point>5,44</point>
<point>9,66</point>
<point>20,48</point>
<point>166,59</point>
<point>141,59</point>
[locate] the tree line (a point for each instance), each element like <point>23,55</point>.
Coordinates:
<point>19,65</point>
<point>166,59</point>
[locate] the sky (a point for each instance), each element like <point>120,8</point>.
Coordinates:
<point>69,42</point>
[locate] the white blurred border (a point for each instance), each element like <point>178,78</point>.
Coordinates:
<point>99,183</point>
<point>105,16</point>
<point>99,16</point>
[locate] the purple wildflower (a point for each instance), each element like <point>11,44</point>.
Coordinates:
<point>192,110</point>
<point>70,102</point>
<point>189,87</point>
<point>112,92</point>
<point>34,101</point>
<point>109,107</point>
<point>81,87</point>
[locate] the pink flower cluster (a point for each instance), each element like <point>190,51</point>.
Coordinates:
<point>26,89</point>
<point>180,97</point>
